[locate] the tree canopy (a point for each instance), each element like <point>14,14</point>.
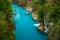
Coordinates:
<point>48,10</point>
<point>6,24</point>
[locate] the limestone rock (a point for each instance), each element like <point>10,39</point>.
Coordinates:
<point>34,15</point>
<point>41,28</point>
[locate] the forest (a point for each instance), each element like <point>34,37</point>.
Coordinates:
<point>6,23</point>
<point>48,12</point>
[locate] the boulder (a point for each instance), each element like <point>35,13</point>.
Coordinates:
<point>34,15</point>
<point>41,28</point>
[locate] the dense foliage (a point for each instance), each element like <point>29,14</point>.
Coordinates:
<point>49,11</point>
<point>6,24</point>
<point>38,7</point>
<point>54,14</point>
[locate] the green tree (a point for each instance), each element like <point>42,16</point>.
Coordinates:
<point>38,7</point>
<point>6,24</point>
<point>49,11</point>
<point>54,10</point>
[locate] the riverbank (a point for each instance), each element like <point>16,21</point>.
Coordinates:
<point>35,17</point>
<point>25,29</point>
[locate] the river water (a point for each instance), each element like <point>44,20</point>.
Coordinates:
<point>25,29</point>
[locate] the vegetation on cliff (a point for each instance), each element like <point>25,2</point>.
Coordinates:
<point>6,24</point>
<point>49,11</point>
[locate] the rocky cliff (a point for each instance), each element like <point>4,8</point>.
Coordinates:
<point>21,2</point>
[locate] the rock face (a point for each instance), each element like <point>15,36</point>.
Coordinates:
<point>21,2</point>
<point>34,15</point>
<point>41,28</point>
<point>53,34</point>
<point>29,8</point>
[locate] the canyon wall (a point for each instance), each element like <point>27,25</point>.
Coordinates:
<point>21,2</point>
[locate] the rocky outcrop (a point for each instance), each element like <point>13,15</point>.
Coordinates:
<point>53,34</point>
<point>29,8</point>
<point>22,2</point>
<point>34,15</point>
<point>41,28</point>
